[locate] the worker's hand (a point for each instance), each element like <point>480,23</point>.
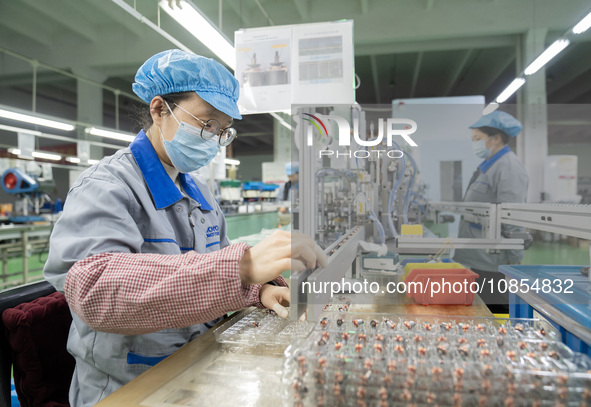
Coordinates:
<point>275,298</point>
<point>277,253</point>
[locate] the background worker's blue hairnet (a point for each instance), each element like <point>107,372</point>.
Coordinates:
<point>176,71</point>
<point>501,121</point>
<point>292,168</point>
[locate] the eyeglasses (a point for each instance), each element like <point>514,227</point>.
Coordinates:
<point>211,128</point>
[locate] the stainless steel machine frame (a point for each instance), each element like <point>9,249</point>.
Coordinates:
<point>342,255</point>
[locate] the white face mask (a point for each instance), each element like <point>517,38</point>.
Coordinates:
<point>479,147</point>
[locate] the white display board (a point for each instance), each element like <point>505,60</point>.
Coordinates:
<point>303,64</point>
<point>274,172</point>
<point>560,179</point>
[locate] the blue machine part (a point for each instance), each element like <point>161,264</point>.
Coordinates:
<point>13,396</point>
<point>26,219</point>
<point>15,181</point>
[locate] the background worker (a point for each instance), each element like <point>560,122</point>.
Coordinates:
<point>292,170</point>
<point>500,178</point>
<point>288,192</point>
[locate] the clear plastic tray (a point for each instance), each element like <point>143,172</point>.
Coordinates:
<point>354,359</point>
<point>525,328</point>
<point>261,329</point>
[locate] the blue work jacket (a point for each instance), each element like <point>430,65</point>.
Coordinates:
<point>500,179</point>
<point>127,203</point>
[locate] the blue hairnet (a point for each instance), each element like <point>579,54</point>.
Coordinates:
<point>501,121</point>
<point>292,168</point>
<point>176,71</point>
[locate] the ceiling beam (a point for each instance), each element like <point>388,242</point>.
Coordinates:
<point>562,73</point>
<point>242,16</point>
<point>374,77</point>
<point>303,8</point>
<point>495,74</point>
<point>457,72</point>
<point>27,78</point>
<point>415,75</point>
<point>258,3</point>
<point>19,21</point>
<point>64,16</point>
<point>364,6</point>
<point>114,13</point>
<point>384,48</point>
<point>116,71</point>
<point>573,90</point>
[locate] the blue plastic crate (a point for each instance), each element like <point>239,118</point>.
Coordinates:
<point>270,187</point>
<point>575,305</point>
<point>253,186</point>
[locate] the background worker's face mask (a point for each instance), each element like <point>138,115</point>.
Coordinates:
<point>479,147</point>
<point>187,150</point>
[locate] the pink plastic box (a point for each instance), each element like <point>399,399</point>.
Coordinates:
<point>441,286</point>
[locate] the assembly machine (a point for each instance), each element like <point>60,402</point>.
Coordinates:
<point>30,189</point>
<point>348,197</point>
<point>354,194</point>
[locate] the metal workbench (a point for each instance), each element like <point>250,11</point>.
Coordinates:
<point>240,377</point>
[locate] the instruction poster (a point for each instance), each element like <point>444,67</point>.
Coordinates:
<point>297,64</point>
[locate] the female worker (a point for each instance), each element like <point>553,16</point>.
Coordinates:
<point>141,250</point>
<point>500,178</point>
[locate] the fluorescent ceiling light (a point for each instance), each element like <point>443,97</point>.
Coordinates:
<point>74,160</point>
<point>231,161</point>
<point>583,25</point>
<point>35,120</point>
<point>14,151</point>
<point>511,89</point>
<point>117,135</point>
<point>491,107</point>
<point>189,16</point>
<point>92,162</point>
<point>546,56</point>
<point>46,156</point>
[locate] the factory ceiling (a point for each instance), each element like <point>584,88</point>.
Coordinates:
<point>403,49</point>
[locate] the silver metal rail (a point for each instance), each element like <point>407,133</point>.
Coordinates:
<point>409,245</point>
<point>481,213</point>
<point>571,220</point>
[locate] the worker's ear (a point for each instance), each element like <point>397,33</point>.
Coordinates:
<point>157,109</point>
<point>499,139</point>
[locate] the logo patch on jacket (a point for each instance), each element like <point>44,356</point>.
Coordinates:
<point>212,231</point>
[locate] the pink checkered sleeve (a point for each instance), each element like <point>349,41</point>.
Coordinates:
<point>137,293</point>
<point>280,281</point>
